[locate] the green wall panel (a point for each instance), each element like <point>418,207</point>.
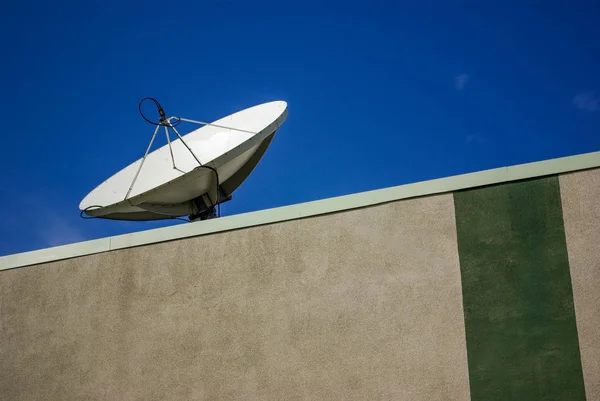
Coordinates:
<point>519,316</point>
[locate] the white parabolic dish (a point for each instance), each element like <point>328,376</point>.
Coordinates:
<point>161,191</point>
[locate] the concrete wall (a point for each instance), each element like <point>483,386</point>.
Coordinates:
<point>520,319</point>
<point>483,293</point>
<point>364,304</point>
<point>581,208</point>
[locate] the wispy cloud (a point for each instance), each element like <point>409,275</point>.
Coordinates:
<point>460,81</point>
<point>474,139</point>
<point>58,230</point>
<point>52,226</point>
<point>587,101</point>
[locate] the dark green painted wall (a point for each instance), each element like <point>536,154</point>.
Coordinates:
<point>521,332</point>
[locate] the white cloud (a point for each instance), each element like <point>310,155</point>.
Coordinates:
<point>56,230</point>
<point>460,81</point>
<point>474,138</point>
<point>52,226</point>
<point>587,101</point>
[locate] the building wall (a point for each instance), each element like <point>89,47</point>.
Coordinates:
<point>364,304</point>
<point>581,207</point>
<point>485,293</point>
<point>519,315</point>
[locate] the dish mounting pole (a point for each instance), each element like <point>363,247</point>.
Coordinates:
<point>182,141</point>
<point>170,148</point>
<point>142,163</point>
<point>216,125</point>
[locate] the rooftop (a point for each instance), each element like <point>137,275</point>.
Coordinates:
<point>302,210</point>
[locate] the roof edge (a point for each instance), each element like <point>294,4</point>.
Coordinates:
<point>302,210</point>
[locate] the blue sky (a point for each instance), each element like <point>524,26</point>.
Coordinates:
<point>379,95</point>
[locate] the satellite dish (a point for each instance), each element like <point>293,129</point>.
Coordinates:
<point>192,174</point>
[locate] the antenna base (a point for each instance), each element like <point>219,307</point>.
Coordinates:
<point>205,211</point>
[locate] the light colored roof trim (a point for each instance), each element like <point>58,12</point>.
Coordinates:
<point>314,208</point>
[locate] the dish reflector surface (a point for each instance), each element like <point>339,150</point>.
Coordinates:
<point>162,191</point>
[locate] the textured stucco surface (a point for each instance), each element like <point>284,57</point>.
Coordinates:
<point>519,315</point>
<point>580,195</point>
<point>364,304</point>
